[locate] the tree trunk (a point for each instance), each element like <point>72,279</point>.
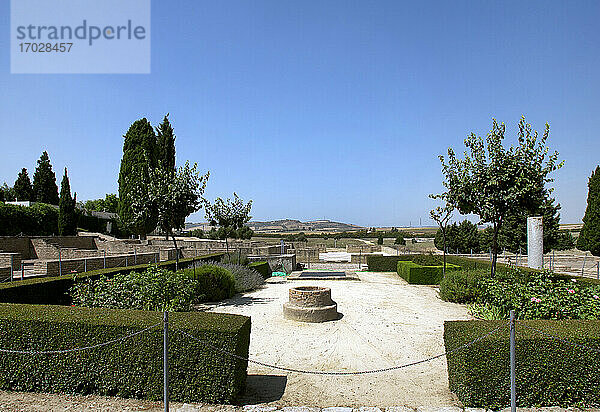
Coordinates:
<point>176,251</point>
<point>495,249</point>
<point>444,267</point>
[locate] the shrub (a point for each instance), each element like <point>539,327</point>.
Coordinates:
<point>462,286</point>
<point>422,275</point>
<point>213,283</point>
<point>549,372</point>
<point>378,263</point>
<point>540,296</point>
<point>153,289</point>
<point>427,260</point>
<point>130,368</point>
<point>246,278</point>
<point>263,268</point>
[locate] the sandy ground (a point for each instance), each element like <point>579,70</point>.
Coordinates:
<point>385,322</point>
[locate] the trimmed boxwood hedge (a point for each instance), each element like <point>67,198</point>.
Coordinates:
<point>422,275</point>
<point>377,263</point>
<point>263,268</point>
<point>54,290</point>
<point>129,368</point>
<point>549,372</point>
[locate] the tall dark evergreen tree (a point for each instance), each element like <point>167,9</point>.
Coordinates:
<point>44,181</point>
<point>67,216</point>
<point>23,188</point>
<point>513,235</point>
<point>589,238</point>
<point>165,145</point>
<point>139,157</point>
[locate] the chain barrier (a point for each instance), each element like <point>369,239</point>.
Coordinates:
<point>51,352</point>
<point>559,339</point>
<point>308,372</point>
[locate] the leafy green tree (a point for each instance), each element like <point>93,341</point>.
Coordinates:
<point>380,239</point>
<point>400,240</point>
<point>230,215</point>
<point>23,188</point>
<point>110,203</point>
<point>67,216</point>
<point>463,237</point>
<point>513,234</point>
<point>8,193</point>
<point>174,196</point>
<point>139,158</point>
<point>589,237</point>
<point>491,181</point>
<point>165,145</point>
<point>244,233</point>
<point>45,189</point>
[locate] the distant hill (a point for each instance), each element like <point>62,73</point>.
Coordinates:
<point>290,226</point>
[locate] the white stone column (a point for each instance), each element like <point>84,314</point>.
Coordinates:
<point>535,242</point>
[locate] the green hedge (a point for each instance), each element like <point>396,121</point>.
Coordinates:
<point>262,267</point>
<point>54,290</point>
<point>422,275</point>
<point>39,219</point>
<point>379,263</point>
<point>130,368</point>
<point>549,372</point>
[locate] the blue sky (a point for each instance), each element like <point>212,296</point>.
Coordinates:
<point>333,109</point>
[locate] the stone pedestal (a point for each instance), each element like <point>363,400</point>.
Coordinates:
<point>310,304</point>
<point>535,242</point>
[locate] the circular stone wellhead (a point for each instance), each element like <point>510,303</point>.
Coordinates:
<point>310,304</point>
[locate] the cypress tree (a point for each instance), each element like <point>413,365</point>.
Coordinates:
<point>23,188</point>
<point>139,156</point>
<point>67,216</point>
<point>589,238</point>
<point>165,145</point>
<point>44,182</point>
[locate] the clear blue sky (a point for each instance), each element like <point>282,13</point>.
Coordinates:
<point>333,109</point>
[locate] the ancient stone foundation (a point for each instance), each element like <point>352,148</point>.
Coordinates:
<point>310,304</point>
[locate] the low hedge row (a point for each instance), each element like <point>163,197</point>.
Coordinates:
<point>472,264</point>
<point>128,368</point>
<point>54,290</point>
<point>263,268</point>
<point>377,263</point>
<point>548,372</point>
<point>422,275</point>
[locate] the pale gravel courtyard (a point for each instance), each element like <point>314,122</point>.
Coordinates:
<point>385,323</point>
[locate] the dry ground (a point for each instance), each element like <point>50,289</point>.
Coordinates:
<point>385,322</point>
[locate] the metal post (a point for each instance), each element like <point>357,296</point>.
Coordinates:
<point>104,258</point>
<point>59,263</point>
<point>552,262</point>
<point>11,267</point>
<point>598,272</point>
<point>166,361</point>
<point>125,260</point>
<point>135,256</point>
<point>22,271</point>
<point>471,252</point>
<point>85,264</point>
<point>155,257</point>
<point>513,377</point>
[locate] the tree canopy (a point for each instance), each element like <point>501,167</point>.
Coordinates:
<point>67,215</point>
<point>45,189</point>
<point>589,237</point>
<point>492,181</point>
<point>23,188</point>
<point>139,157</point>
